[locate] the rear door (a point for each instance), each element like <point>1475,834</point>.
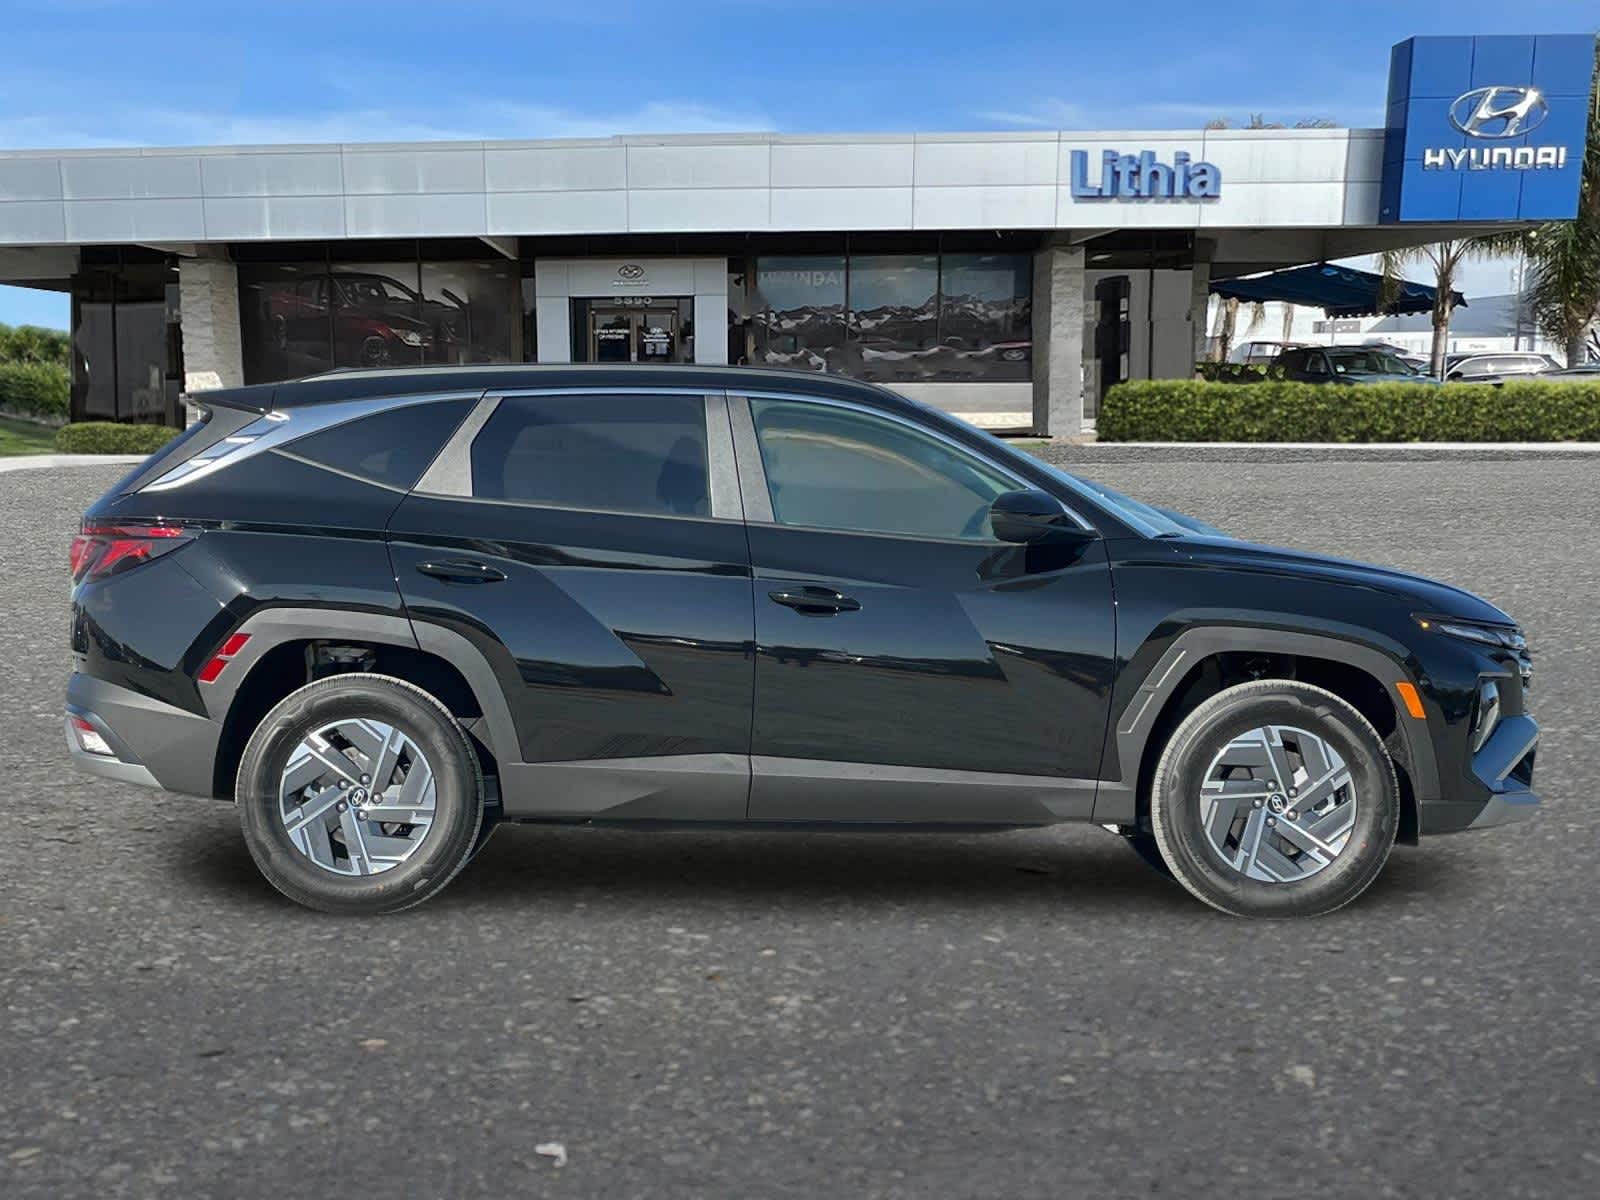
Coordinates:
<point>590,545</point>
<point>910,667</point>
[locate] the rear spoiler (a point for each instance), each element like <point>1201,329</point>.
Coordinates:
<point>256,398</point>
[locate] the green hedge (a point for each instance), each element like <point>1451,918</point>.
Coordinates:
<point>1228,372</point>
<point>34,390</point>
<point>1187,410</point>
<point>109,437</point>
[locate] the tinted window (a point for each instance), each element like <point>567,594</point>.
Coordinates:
<point>894,316</point>
<point>392,447</point>
<point>644,454</point>
<point>799,311</point>
<point>1289,360</point>
<point>837,468</point>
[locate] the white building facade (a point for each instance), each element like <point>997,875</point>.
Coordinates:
<point>1008,277</point>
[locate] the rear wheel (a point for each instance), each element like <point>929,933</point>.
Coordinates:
<point>1275,799</point>
<point>360,794</point>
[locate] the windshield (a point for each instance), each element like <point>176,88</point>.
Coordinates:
<point>1371,362</point>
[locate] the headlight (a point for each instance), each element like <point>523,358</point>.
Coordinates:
<point>410,337</point>
<point>1485,714</point>
<point>1505,636</point>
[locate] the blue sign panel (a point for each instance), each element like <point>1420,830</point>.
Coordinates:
<point>1486,128</point>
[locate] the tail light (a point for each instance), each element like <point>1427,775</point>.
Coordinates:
<point>101,550</point>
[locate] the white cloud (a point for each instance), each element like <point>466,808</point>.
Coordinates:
<point>467,119</point>
<point>1045,113</point>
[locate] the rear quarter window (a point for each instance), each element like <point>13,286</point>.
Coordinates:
<point>390,448</point>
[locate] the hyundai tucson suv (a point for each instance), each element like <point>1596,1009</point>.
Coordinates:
<point>383,611</point>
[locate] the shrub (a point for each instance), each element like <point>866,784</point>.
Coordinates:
<point>1228,372</point>
<point>33,344</point>
<point>1187,410</point>
<point>110,437</point>
<point>34,390</point>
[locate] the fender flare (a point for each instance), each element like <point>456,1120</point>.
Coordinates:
<point>271,627</point>
<point>1117,800</point>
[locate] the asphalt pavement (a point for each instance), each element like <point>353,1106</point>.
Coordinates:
<point>713,1014</point>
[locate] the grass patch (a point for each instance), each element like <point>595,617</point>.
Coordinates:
<point>24,437</point>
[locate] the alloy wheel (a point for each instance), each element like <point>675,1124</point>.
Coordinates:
<point>1277,804</point>
<point>357,797</point>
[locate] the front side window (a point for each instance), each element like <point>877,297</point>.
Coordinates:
<point>638,454</point>
<point>842,469</point>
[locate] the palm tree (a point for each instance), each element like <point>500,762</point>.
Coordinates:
<point>1445,258</point>
<point>1564,256</point>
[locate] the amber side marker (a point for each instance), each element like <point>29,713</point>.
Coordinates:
<point>1408,693</point>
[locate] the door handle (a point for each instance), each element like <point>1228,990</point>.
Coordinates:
<point>462,570</point>
<point>814,601</point>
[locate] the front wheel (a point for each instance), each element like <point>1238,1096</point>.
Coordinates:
<point>1275,799</point>
<point>360,794</point>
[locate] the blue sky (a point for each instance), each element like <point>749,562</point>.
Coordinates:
<point>105,72</point>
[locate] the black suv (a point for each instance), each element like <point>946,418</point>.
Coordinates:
<point>383,611</point>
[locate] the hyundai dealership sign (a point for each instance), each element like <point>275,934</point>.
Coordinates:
<point>1486,128</point>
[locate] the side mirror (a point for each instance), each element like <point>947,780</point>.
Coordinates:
<point>1029,517</point>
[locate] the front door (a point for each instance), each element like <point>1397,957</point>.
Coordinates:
<point>591,549</point>
<point>632,334</point>
<point>908,665</point>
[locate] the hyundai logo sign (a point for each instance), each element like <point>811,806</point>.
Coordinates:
<point>1499,112</point>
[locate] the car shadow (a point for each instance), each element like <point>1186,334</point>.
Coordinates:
<point>1087,871</point>
<point>628,868</point>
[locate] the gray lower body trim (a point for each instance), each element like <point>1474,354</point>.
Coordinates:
<point>676,787</point>
<point>1118,800</point>
<point>802,789</point>
<point>274,626</point>
<point>156,744</point>
<point>736,788</point>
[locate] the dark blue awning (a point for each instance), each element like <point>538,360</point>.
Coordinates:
<point>1338,291</point>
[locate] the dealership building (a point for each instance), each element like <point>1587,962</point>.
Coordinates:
<point>1008,277</point>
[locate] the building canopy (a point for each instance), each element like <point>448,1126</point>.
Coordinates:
<point>1338,291</point>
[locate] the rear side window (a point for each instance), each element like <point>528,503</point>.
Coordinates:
<point>390,448</point>
<point>641,454</point>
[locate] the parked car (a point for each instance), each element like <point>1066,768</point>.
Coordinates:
<point>1417,362</point>
<point>1259,353</point>
<point>1586,373</point>
<point>1493,367</point>
<point>1344,364</point>
<point>384,610</point>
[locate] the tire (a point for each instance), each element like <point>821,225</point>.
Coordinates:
<point>415,862</point>
<point>1243,861</point>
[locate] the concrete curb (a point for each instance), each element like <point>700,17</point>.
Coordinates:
<point>1265,452</point>
<point>36,462</point>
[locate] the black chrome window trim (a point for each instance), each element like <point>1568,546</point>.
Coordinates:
<point>753,475</point>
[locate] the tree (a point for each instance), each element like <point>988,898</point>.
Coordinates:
<point>1445,258</point>
<point>1227,322</point>
<point>1564,256</point>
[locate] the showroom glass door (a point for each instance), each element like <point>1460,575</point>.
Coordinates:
<point>634,334</point>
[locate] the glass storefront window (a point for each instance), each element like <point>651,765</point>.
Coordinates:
<point>470,310</point>
<point>894,316</point>
<point>985,317</point>
<point>378,317</point>
<point>302,318</point>
<point>284,321</point>
<point>799,312</point>
<point>125,357</point>
<point>911,317</point>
